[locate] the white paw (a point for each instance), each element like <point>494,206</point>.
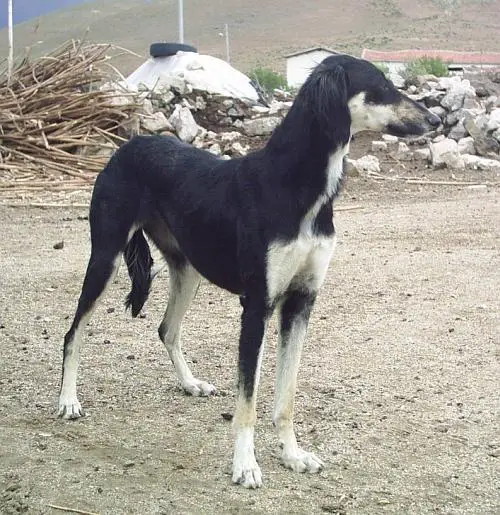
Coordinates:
<point>302,461</point>
<point>247,473</point>
<point>198,388</point>
<point>70,408</point>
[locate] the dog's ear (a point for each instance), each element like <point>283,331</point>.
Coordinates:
<point>326,94</point>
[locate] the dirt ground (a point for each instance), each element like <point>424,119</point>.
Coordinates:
<point>399,384</point>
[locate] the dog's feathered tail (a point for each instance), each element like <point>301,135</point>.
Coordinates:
<point>139,263</point>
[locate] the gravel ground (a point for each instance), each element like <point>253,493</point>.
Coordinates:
<point>398,391</point>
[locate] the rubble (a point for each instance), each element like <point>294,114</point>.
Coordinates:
<point>230,127</point>
<point>183,122</point>
<point>365,165</point>
<point>469,135</point>
<point>445,153</point>
<point>481,163</point>
<point>261,126</point>
<point>156,123</point>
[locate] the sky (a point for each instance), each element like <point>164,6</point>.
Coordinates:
<point>29,9</point>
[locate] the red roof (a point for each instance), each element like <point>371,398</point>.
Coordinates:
<point>450,56</point>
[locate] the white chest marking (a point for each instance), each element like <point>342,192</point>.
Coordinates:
<point>300,264</point>
<point>303,262</point>
<point>333,175</point>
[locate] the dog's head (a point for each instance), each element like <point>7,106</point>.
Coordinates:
<point>344,90</point>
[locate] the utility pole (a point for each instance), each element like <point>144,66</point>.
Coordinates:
<point>226,36</point>
<point>10,59</point>
<point>226,32</point>
<point>181,21</point>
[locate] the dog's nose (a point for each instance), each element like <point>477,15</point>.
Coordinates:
<point>433,119</point>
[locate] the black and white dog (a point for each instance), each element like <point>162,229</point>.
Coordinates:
<point>260,227</point>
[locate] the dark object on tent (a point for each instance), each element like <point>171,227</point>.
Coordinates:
<point>168,49</point>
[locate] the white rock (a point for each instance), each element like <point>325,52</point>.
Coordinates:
<point>397,80</point>
<point>379,146</point>
<point>276,107</point>
<point>177,83</point>
<point>389,138</point>
<point>200,103</point>
<point>445,153</point>
<point>403,148</point>
<point>184,124</point>
<point>215,149</point>
<point>368,164</point>
<point>202,132</point>
<point>440,137</point>
<point>167,96</point>
<point>261,126</point>
<point>198,142</point>
<point>422,154</point>
<point>239,148</point>
<point>229,137</point>
<point>466,145</point>
<point>403,152</point>
<point>147,107</point>
<point>481,163</point>
<point>449,82</point>
<point>120,100</point>
<point>491,102</point>
<point>458,131</point>
<point>456,93</point>
<point>157,122</point>
<point>186,103</point>
<point>494,120</point>
<point>472,103</point>
<point>260,109</point>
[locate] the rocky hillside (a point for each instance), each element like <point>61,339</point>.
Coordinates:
<point>262,32</point>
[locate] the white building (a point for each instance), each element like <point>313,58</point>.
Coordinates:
<point>300,64</point>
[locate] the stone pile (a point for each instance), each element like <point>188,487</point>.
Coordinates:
<point>229,127</point>
<point>469,136</point>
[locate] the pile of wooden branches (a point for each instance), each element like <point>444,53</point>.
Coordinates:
<point>57,127</point>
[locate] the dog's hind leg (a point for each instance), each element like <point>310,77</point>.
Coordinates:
<point>294,317</point>
<point>111,227</point>
<point>254,319</point>
<point>102,268</point>
<point>184,282</point>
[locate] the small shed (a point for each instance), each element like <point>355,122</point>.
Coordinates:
<point>300,64</point>
<point>396,61</point>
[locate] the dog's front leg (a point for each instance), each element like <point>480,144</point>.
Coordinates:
<point>294,317</point>
<point>254,320</point>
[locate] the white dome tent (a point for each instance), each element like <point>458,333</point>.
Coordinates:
<point>202,72</point>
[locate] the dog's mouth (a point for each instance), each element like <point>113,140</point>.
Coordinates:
<point>406,129</point>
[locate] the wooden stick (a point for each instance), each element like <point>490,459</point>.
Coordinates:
<point>347,208</point>
<point>71,510</point>
<point>44,205</point>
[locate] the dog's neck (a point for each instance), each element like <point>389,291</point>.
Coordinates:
<point>307,156</point>
<point>335,170</point>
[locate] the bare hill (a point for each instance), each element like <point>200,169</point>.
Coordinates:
<point>262,32</point>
